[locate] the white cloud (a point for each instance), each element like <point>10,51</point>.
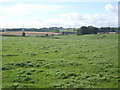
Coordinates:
<point>77,20</point>
<point>19,14</point>
<point>111,8</point>
<point>66,20</point>
<point>72,16</point>
<point>27,9</point>
<point>112,17</point>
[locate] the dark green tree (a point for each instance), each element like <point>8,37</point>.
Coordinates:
<point>104,29</point>
<point>87,30</point>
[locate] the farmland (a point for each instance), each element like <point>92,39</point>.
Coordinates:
<point>28,33</point>
<point>68,61</point>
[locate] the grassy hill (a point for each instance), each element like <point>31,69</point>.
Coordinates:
<point>88,61</point>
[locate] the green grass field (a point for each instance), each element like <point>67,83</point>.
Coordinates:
<point>69,61</point>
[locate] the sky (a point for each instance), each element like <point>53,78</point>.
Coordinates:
<point>58,13</point>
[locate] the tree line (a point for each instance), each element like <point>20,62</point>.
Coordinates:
<point>51,29</point>
<point>94,30</point>
<point>81,31</point>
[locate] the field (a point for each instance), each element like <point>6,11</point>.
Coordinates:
<point>28,33</point>
<point>69,61</point>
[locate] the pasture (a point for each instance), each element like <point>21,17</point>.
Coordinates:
<point>69,61</point>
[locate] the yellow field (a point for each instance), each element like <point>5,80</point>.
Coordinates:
<point>27,33</point>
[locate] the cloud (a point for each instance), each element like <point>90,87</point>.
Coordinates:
<point>17,14</point>
<point>21,9</point>
<point>71,16</point>
<point>111,8</point>
<point>66,20</point>
<point>77,20</point>
<point>30,15</point>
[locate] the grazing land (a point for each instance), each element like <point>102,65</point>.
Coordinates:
<point>68,61</point>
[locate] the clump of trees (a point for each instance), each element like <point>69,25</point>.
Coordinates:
<point>87,30</point>
<point>94,30</point>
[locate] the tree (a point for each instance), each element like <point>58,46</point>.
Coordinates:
<point>105,29</point>
<point>83,30</point>
<point>92,30</point>
<point>95,30</point>
<point>23,34</point>
<point>87,30</point>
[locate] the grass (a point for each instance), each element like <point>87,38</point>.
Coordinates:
<point>70,61</point>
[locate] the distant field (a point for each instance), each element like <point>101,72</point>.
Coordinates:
<point>68,61</point>
<point>28,33</point>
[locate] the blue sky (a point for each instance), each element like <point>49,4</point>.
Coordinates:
<point>34,14</point>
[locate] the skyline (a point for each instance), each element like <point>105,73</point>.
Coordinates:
<point>58,14</point>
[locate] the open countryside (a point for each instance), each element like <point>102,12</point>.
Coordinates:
<point>59,44</point>
<point>66,61</point>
